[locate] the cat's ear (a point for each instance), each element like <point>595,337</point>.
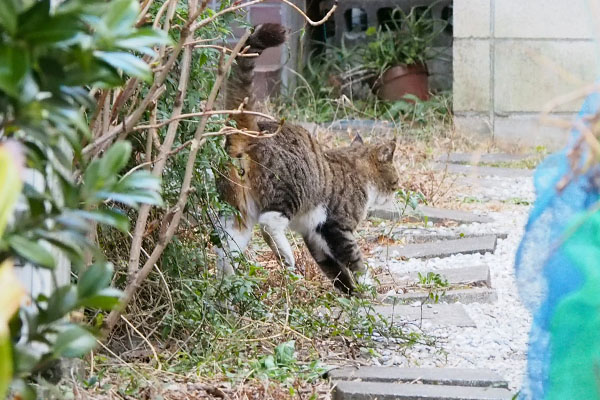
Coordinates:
<point>385,151</point>
<point>357,141</point>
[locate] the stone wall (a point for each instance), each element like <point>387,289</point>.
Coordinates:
<point>511,58</point>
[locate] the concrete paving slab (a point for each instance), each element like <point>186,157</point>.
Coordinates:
<point>360,125</point>
<point>478,275</point>
<point>436,314</point>
<point>428,376</point>
<point>482,170</point>
<point>348,390</point>
<point>435,215</point>
<point>487,158</point>
<point>471,181</point>
<point>463,296</point>
<point>471,245</point>
<point>409,238</point>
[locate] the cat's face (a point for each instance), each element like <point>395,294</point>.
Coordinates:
<point>387,178</point>
<point>384,178</point>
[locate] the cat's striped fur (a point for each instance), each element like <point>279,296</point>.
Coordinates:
<point>290,181</point>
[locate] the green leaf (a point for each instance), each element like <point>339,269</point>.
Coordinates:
<point>38,27</point>
<point>6,361</point>
<point>108,216</point>
<point>92,178</point>
<point>73,222</point>
<point>31,251</point>
<point>13,68</point>
<point>10,181</point>
<point>115,159</point>
<point>75,118</point>
<point>105,299</point>
<point>64,242</point>
<point>8,17</point>
<point>128,63</point>
<point>101,174</point>
<point>73,342</point>
<point>133,197</point>
<point>25,358</point>
<point>94,279</point>
<point>142,40</point>
<point>62,301</point>
<point>121,16</point>
<point>284,353</point>
<point>139,180</point>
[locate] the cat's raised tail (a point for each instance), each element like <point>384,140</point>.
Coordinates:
<point>240,91</point>
<point>240,88</point>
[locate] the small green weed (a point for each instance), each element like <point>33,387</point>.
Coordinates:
<point>283,366</point>
<point>518,201</point>
<point>471,199</point>
<point>435,284</point>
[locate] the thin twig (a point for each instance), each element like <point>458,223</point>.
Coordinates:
<point>171,303</point>
<point>225,131</point>
<point>160,12</point>
<point>112,353</point>
<point>202,114</point>
<point>307,19</point>
<point>92,148</point>
<point>150,134</point>
<point>223,48</point>
<point>142,16</point>
<point>145,339</point>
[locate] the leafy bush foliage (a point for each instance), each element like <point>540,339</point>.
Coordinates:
<point>52,56</point>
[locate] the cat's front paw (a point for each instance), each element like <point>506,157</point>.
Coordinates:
<point>365,285</point>
<point>364,278</point>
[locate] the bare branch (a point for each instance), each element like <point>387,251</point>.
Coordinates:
<point>307,19</point>
<point>222,48</point>
<point>171,220</point>
<point>150,134</point>
<point>225,131</point>
<point>142,17</point>
<point>201,114</point>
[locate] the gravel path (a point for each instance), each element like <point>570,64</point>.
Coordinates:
<point>499,342</point>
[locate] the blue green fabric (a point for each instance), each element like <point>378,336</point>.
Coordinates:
<point>556,268</point>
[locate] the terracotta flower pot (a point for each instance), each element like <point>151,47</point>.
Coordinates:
<point>404,79</point>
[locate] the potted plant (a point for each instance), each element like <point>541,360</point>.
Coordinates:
<point>399,52</point>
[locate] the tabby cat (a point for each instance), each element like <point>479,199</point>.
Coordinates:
<point>290,181</point>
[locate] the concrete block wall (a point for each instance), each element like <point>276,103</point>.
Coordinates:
<point>511,58</point>
<point>440,68</point>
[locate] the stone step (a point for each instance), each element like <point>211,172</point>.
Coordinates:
<point>471,245</point>
<point>432,214</point>
<point>478,275</point>
<point>364,126</point>
<point>482,170</point>
<point>435,314</point>
<point>437,237</point>
<point>463,296</point>
<point>488,158</point>
<point>429,376</point>
<point>348,390</point>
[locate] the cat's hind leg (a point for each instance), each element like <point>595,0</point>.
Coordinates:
<point>340,275</point>
<point>272,226</point>
<point>344,248</point>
